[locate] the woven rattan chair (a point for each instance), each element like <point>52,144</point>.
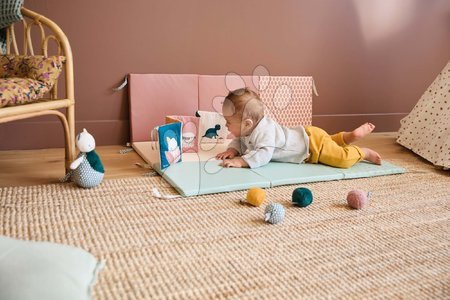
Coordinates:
<point>51,103</point>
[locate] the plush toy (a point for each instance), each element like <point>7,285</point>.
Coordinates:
<point>87,170</point>
<point>302,197</point>
<point>358,199</point>
<point>255,196</point>
<point>274,213</point>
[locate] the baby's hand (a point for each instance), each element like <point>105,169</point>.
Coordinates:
<point>237,162</point>
<point>230,153</point>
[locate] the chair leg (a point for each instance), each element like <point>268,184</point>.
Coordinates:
<point>70,137</point>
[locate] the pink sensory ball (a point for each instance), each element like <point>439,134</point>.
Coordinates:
<point>357,199</point>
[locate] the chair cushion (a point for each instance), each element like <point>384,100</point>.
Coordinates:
<point>13,66</point>
<point>38,67</point>
<point>45,69</point>
<point>16,90</point>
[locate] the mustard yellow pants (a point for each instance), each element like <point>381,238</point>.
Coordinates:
<point>331,149</point>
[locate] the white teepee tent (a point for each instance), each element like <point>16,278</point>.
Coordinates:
<point>426,130</point>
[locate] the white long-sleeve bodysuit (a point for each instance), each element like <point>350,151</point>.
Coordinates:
<point>269,141</point>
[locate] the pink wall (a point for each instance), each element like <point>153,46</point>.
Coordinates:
<point>371,60</point>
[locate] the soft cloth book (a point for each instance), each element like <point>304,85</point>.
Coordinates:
<point>189,131</point>
<point>212,128</point>
<point>169,144</point>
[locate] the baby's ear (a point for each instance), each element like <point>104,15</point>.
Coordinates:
<point>248,123</point>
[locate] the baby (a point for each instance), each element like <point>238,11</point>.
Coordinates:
<point>260,140</point>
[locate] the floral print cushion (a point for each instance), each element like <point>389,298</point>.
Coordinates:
<point>16,90</point>
<point>24,79</point>
<point>45,69</point>
<point>13,66</point>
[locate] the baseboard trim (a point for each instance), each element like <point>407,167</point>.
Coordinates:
<point>384,122</point>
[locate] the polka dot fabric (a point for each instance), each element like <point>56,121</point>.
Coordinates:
<point>288,100</point>
<point>426,130</point>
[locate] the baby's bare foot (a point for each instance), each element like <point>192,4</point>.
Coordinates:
<point>371,156</point>
<point>358,133</point>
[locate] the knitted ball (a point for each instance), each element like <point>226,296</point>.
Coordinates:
<point>302,197</point>
<point>357,199</point>
<point>256,196</point>
<point>274,213</point>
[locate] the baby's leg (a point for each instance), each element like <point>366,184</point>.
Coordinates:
<point>332,150</point>
<point>339,138</point>
<point>358,133</point>
<point>371,156</point>
<point>338,156</point>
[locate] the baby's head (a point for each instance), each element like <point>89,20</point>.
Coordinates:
<point>242,109</point>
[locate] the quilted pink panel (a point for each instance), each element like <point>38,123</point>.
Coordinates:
<point>288,100</point>
<point>214,88</point>
<point>154,96</point>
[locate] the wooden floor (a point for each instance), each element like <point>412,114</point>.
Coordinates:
<point>32,167</point>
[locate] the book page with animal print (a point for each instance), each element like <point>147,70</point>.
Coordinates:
<point>212,129</point>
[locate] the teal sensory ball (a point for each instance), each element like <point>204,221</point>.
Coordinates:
<point>302,197</point>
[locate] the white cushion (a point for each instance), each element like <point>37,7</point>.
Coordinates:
<point>42,270</point>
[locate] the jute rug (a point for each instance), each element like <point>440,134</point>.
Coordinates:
<point>212,247</point>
